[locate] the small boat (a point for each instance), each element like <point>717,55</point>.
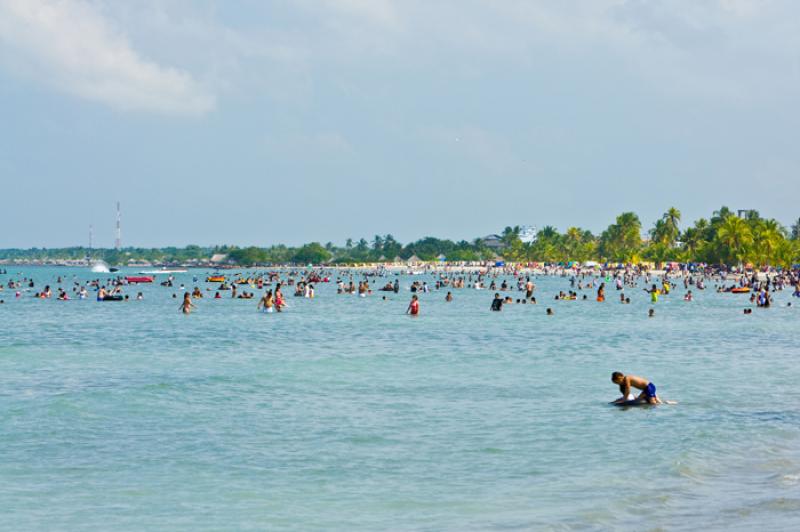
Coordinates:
<point>135,279</point>
<point>215,279</point>
<point>741,290</point>
<point>163,270</point>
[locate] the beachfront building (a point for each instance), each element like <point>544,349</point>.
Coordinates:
<point>492,241</point>
<point>527,234</point>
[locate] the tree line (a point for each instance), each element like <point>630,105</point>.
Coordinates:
<point>725,237</point>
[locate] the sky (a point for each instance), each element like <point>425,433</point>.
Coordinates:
<point>256,122</point>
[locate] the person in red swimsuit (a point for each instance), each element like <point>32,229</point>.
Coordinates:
<point>413,307</point>
<point>279,301</point>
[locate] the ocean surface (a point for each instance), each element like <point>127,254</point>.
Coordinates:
<point>342,413</point>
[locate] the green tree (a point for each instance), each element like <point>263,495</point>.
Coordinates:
<point>248,256</point>
<point>733,240</point>
<point>622,240</point>
<point>795,235</point>
<point>767,238</point>
<point>313,253</point>
<point>510,237</point>
<point>391,247</point>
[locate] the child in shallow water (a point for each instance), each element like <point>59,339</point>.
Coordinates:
<point>626,382</point>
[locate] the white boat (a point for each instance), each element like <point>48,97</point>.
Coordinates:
<point>163,270</point>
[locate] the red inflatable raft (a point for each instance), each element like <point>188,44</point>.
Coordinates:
<point>139,279</point>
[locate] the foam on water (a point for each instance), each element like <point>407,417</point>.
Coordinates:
<point>343,413</point>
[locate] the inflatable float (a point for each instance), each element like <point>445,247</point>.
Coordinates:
<point>143,279</point>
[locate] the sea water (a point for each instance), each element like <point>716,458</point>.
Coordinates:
<point>342,413</point>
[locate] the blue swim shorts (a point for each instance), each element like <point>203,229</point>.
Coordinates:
<point>650,391</point>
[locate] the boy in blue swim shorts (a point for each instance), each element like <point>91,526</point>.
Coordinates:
<point>626,382</point>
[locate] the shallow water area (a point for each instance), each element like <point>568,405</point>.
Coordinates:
<point>343,413</point>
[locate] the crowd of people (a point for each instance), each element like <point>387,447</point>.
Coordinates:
<point>504,282</point>
<point>760,285</point>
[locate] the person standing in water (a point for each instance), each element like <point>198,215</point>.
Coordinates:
<point>529,286</point>
<point>601,292</point>
<point>653,293</point>
<point>279,301</point>
<point>497,303</point>
<point>187,305</point>
<point>413,307</point>
<point>266,303</point>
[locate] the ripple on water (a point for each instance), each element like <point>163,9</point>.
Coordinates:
<point>343,413</point>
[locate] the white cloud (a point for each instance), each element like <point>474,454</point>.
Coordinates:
<point>70,45</point>
<point>728,49</point>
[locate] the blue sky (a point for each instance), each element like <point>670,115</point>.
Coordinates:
<point>260,122</point>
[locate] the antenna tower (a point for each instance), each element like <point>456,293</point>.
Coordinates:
<point>118,241</point>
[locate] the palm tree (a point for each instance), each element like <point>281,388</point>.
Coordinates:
<point>720,215</point>
<point>671,219</point>
<point>693,240</point>
<point>547,232</point>
<point>767,237</point>
<point>510,235</point>
<point>796,230</point>
<point>572,242</point>
<point>673,216</point>
<point>703,228</point>
<point>630,234</point>
<point>787,253</point>
<point>774,225</point>
<point>734,238</point>
<point>661,232</point>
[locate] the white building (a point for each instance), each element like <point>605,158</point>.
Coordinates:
<point>527,233</point>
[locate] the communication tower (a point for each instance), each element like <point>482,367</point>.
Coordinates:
<point>118,241</point>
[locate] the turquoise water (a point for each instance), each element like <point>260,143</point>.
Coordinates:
<point>344,414</point>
